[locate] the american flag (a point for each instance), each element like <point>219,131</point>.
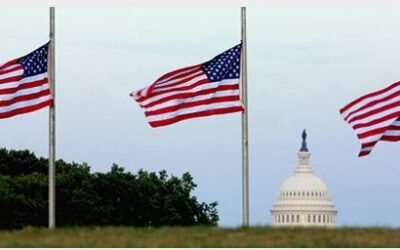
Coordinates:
<point>24,84</point>
<point>206,89</point>
<point>375,117</point>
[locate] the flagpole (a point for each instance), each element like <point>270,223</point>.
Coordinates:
<point>245,142</point>
<point>52,124</point>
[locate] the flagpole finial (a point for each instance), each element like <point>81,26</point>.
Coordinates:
<point>304,142</point>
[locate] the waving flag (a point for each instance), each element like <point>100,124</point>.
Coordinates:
<point>210,88</point>
<point>24,84</point>
<point>375,117</point>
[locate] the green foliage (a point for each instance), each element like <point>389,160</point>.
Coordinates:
<point>96,199</point>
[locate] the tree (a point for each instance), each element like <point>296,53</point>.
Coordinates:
<point>84,198</point>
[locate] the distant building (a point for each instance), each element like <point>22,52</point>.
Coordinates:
<point>304,199</point>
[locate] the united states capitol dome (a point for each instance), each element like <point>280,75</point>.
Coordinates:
<point>304,199</point>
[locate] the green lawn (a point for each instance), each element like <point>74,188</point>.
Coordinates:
<point>200,237</point>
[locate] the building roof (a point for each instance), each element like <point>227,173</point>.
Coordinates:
<point>303,190</point>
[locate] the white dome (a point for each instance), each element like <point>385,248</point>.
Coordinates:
<point>304,199</point>
<point>303,188</point>
<point>304,182</point>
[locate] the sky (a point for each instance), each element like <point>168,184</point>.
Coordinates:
<point>306,60</point>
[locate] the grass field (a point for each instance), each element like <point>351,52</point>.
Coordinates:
<point>200,237</point>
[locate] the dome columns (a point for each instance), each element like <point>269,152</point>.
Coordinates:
<point>304,218</point>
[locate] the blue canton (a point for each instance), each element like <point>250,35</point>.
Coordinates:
<point>224,66</point>
<point>36,62</point>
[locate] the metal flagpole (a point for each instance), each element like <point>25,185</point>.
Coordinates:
<point>245,141</point>
<point>52,124</point>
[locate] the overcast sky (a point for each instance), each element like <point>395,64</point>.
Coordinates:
<point>304,63</point>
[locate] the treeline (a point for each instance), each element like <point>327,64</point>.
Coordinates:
<point>87,199</point>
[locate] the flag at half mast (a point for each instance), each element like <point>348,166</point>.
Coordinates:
<point>24,85</point>
<point>206,89</point>
<point>375,117</point>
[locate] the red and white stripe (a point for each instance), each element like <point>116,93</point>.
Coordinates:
<point>187,93</point>
<point>20,95</point>
<point>375,117</point>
